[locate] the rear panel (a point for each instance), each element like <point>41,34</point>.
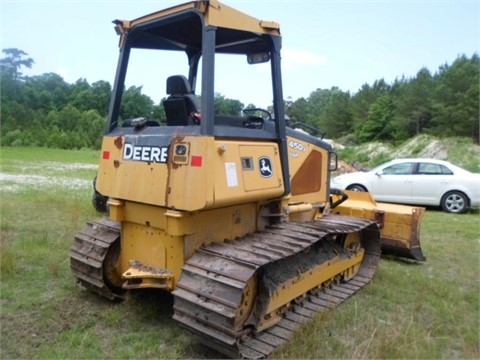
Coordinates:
<point>188,172</point>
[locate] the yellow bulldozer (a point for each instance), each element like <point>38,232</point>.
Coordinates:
<point>234,215</point>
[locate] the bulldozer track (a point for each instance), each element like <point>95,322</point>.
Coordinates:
<point>215,279</point>
<point>88,253</point>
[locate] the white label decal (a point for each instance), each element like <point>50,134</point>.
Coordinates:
<point>145,153</point>
<point>231,171</point>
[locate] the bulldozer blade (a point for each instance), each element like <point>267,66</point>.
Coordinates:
<point>399,224</point>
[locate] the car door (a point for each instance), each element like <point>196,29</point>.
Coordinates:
<point>430,181</point>
<point>394,183</point>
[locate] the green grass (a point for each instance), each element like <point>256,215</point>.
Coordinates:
<point>409,311</point>
<point>414,311</point>
<point>32,154</point>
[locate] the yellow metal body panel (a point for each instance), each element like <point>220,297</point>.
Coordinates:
<point>144,244</point>
<point>308,165</point>
<point>164,239</point>
<point>211,175</point>
<point>250,176</point>
<point>227,17</point>
<point>225,175</point>
<point>191,186</point>
<point>214,12</point>
<point>236,182</point>
<point>129,180</point>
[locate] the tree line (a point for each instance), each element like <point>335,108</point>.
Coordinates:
<point>45,110</point>
<point>442,104</point>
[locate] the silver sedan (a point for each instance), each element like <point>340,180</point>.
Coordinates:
<point>427,182</point>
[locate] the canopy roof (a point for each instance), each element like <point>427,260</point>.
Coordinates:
<point>181,27</point>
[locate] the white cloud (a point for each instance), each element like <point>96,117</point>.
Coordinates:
<point>295,58</point>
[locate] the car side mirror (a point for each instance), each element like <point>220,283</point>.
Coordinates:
<point>379,173</point>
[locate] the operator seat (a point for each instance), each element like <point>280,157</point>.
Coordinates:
<point>182,107</point>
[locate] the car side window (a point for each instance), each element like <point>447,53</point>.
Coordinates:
<point>446,171</point>
<point>432,169</point>
<point>399,169</point>
<point>429,169</point>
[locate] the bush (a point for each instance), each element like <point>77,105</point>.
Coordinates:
<point>12,138</point>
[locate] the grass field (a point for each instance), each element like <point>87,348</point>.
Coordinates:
<point>414,311</point>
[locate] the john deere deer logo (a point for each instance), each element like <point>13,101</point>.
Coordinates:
<point>265,166</point>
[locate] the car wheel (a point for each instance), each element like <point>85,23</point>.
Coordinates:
<point>357,188</point>
<point>454,202</point>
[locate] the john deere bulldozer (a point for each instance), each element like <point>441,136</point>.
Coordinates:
<point>232,214</point>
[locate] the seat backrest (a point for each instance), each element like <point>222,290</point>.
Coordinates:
<point>182,106</point>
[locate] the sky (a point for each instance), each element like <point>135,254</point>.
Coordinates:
<point>326,43</point>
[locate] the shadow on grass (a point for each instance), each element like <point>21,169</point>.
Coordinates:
<point>155,307</point>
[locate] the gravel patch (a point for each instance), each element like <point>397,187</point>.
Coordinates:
<point>17,182</point>
<point>29,167</point>
<point>44,175</point>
